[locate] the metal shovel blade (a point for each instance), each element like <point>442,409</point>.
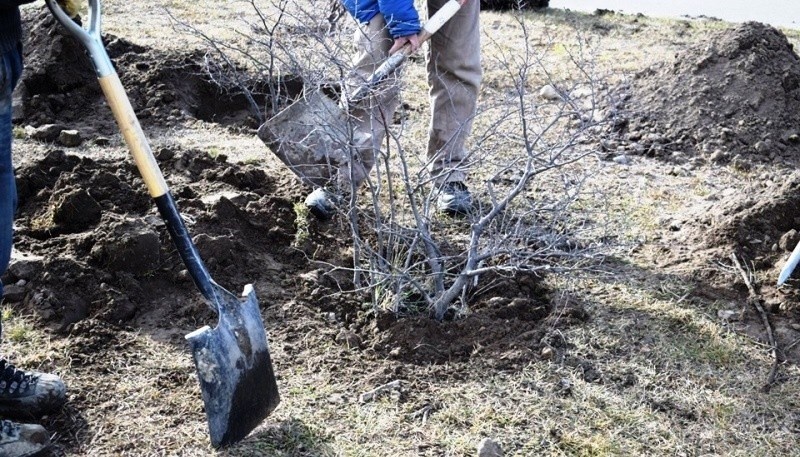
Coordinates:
<point>311,136</point>
<point>234,368</point>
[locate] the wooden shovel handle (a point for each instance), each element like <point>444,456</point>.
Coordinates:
<point>443,14</point>
<point>133,134</point>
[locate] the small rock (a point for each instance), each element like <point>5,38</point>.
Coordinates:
<point>489,448</point>
<point>547,352</point>
<point>654,138</point>
<point>622,159</point>
<point>312,276</point>
<point>165,154</point>
<point>717,156</point>
<point>21,282</point>
<point>794,138</point>
<point>47,132</point>
<point>76,209</point>
<point>26,269</point>
<point>349,338</point>
<point>789,240</point>
<point>760,147</point>
<point>13,293</point>
<point>102,141</point>
<point>549,92</point>
<point>70,138</point>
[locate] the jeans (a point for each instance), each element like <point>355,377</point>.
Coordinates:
<point>10,70</point>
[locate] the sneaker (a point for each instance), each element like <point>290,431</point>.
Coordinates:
<point>454,198</point>
<point>22,440</point>
<point>321,204</point>
<point>25,394</point>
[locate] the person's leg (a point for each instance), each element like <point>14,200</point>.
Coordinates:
<point>454,75</point>
<point>21,394</point>
<point>370,119</point>
<point>374,114</point>
<point>10,69</point>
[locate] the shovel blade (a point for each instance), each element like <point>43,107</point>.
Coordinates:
<point>311,136</point>
<point>234,368</point>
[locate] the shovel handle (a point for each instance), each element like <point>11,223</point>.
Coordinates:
<point>137,142</point>
<point>393,62</point>
<point>791,264</point>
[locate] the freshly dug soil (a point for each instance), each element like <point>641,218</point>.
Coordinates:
<point>94,246</point>
<point>59,84</point>
<point>735,95</point>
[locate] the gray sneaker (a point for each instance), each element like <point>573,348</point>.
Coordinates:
<point>22,440</point>
<point>26,394</point>
<point>321,204</point>
<point>454,198</point>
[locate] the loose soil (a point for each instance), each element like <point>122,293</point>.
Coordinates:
<point>95,264</point>
<point>731,97</point>
<point>96,256</point>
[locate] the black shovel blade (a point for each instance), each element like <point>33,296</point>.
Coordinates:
<point>234,368</point>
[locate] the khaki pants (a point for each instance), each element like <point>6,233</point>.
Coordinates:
<point>454,77</point>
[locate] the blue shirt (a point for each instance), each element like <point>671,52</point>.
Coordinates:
<point>401,16</point>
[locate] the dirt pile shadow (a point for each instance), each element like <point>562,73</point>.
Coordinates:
<point>732,97</point>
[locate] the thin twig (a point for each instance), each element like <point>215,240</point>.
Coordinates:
<point>755,299</point>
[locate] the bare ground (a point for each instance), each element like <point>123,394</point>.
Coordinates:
<point>654,351</point>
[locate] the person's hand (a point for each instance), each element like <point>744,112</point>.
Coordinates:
<point>71,7</point>
<point>399,42</point>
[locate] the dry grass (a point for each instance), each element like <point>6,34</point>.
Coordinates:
<point>674,379</point>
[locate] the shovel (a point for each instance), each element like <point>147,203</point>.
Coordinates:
<point>313,137</point>
<point>232,360</point>
<point>787,270</point>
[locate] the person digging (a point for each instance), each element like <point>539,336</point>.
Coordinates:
<point>454,77</point>
<point>23,394</point>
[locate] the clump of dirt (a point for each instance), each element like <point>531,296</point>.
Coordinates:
<point>734,96</point>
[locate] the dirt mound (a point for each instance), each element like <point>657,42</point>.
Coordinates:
<point>59,84</point>
<point>756,223</point>
<point>735,94</point>
<point>94,245</point>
